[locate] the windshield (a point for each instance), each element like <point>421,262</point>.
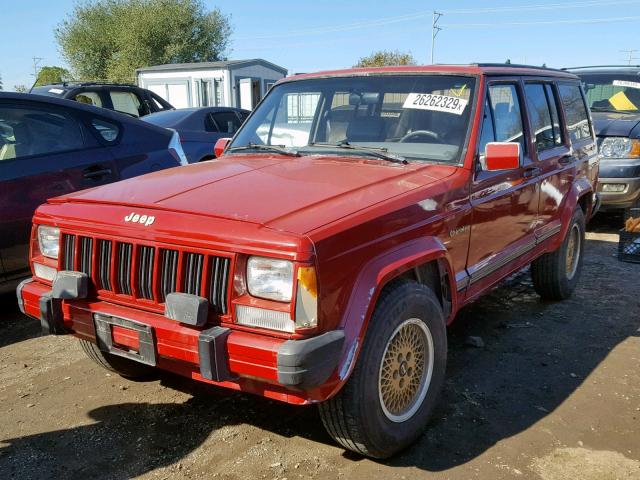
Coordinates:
<point>167,118</point>
<point>414,117</point>
<point>617,92</point>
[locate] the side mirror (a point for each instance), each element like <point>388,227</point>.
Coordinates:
<point>501,156</point>
<point>221,144</point>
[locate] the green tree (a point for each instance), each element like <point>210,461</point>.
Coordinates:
<point>49,75</point>
<point>109,39</point>
<point>386,58</point>
<point>20,88</point>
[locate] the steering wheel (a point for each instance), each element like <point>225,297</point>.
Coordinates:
<point>420,133</point>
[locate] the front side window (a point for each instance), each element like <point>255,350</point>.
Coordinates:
<point>29,131</point>
<point>89,98</point>
<point>543,116</point>
<point>507,119</point>
<point>417,117</point>
<point>575,112</point>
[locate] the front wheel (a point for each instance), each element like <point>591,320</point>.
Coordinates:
<point>555,274</point>
<point>385,404</point>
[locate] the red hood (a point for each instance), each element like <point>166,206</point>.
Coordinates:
<point>294,194</point>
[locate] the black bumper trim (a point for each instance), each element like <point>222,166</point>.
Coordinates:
<point>213,354</point>
<point>19,289</point>
<point>305,364</point>
<point>51,317</point>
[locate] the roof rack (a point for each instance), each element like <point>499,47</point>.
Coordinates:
<point>82,83</point>
<point>518,65</point>
<point>601,66</point>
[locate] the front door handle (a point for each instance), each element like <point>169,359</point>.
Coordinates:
<point>96,174</point>
<point>532,172</point>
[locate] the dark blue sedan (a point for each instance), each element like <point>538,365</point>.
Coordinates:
<point>51,147</point>
<point>200,128</point>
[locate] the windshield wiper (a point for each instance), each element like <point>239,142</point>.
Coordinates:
<point>272,148</point>
<point>379,152</point>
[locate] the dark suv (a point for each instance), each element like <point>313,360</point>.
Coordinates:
<point>123,98</point>
<point>613,93</point>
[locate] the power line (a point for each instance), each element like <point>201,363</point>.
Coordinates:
<point>423,14</point>
<point>545,22</point>
<point>543,6</point>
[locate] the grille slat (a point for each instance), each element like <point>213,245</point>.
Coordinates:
<point>219,282</point>
<point>145,272</point>
<point>86,249</point>
<point>164,271</point>
<point>125,252</point>
<point>69,251</point>
<point>104,269</point>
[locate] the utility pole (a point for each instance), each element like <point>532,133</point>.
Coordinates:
<point>435,29</point>
<point>36,63</point>
<point>630,53</point>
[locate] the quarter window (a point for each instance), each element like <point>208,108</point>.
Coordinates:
<point>25,132</point>
<point>543,115</point>
<point>126,102</point>
<point>575,112</point>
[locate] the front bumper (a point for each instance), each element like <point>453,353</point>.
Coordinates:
<point>619,183</point>
<point>293,371</point>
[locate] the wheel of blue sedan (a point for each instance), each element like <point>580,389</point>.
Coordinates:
<point>387,401</point>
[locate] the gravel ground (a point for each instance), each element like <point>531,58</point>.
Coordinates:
<point>553,394</point>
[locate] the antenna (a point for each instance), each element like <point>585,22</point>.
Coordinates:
<point>435,29</point>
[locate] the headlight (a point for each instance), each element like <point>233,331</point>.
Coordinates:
<point>270,278</point>
<point>620,147</point>
<point>49,241</point>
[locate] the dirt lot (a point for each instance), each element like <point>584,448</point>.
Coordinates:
<point>554,394</point>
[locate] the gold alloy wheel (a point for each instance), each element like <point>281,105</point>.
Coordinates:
<point>573,252</point>
<point>405,370</point>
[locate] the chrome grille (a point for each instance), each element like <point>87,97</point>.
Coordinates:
<point>146,272</point>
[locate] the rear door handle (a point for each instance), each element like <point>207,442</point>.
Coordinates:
<point>93,174</point>
<point>532,172</point>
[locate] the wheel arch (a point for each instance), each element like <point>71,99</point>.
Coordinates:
<point>425,260</point>
<point>580,195</point>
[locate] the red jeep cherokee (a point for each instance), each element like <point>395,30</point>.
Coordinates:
<point>320,259</point>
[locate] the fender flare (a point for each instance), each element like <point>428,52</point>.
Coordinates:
<point>581,187</point>
<point>375,275</point>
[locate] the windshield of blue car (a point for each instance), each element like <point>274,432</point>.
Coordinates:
<point>612,92</point>
<point>414,117</point>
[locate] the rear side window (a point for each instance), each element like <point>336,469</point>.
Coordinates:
<point>29,131</point>
<point>227,122</point>
<point>107,130</point>
<point>575,112</point>
<point>126,102</point>
<point>507,119</point>
<point>543,115</point>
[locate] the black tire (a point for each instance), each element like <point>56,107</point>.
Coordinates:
<point>356,417</point>
<point>122,366</point>
<point>551,278</point>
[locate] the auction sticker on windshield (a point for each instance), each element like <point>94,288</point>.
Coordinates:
<point>439,103</point>
<point>625,83</point>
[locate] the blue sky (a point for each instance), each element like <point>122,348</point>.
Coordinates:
<point>306,36</point>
